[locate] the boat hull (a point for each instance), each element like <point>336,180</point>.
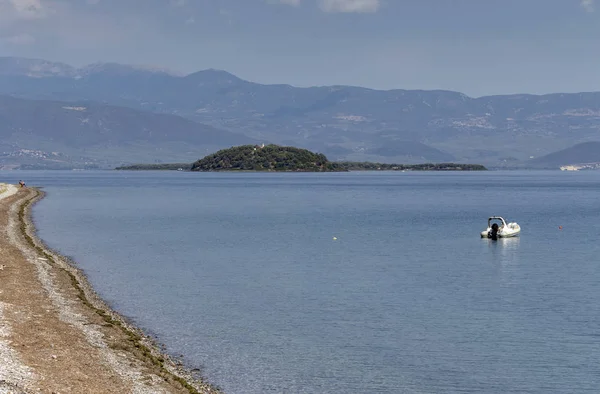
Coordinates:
<point>502,233</point>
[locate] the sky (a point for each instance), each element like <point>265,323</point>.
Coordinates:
<point>478,47</point>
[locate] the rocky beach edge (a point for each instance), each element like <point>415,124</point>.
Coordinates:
<point>56,334</point>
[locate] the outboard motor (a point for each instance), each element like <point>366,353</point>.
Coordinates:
<point>494,233</point>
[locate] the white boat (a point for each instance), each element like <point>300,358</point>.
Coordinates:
<point>500,230</point>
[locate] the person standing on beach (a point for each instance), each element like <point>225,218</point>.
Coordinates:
<point>22,183</point>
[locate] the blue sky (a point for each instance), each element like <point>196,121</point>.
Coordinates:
<point>478,47</point>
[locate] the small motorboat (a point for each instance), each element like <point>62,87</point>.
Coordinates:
<point>498,228</point>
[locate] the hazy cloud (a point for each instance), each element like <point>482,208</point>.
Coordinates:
<point>337,5</point>
<point>294,3</point>
<point>588,5</point>
<point>23,9</point>
<point>349,5</point>
<point>19,39</point>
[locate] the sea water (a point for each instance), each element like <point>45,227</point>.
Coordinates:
<point>345,282</point>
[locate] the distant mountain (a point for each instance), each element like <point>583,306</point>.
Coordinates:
<point>344,122</point>
<point>61,134</point>
<point>34,68</point>
<point>584,153</point>
<point>417,150</point>
<point>119,70</point>
<point>37,68</point>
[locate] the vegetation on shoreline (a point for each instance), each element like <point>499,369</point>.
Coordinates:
<point>274,158</point>
<point>157,167</point>
<point>368,166</point>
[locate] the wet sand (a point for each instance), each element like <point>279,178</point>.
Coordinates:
<point>56,334</point>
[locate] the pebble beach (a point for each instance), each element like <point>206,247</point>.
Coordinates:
<point>56,334</point>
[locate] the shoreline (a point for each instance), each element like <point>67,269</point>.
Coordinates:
<point>122,352</point>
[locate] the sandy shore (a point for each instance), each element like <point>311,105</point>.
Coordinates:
<point>56,334</point>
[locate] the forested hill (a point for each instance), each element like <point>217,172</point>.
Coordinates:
<point>265,158</point>
<point>287,158</point>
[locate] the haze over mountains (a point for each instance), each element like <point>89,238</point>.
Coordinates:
<point>99,135</point>
<point>108,114</point>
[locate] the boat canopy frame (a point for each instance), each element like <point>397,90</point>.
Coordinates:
<point>496,218</point>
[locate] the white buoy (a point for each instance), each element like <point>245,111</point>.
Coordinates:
<point>335,238</point>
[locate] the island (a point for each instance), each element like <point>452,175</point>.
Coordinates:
<point>265,158</point>
<point>157,167</point>
<point>275,158</point>
<point>369,166</point>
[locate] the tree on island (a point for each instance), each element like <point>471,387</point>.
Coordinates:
<point>265,158</point>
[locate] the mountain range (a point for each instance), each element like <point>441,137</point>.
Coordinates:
<point>141,114</point>
<point>586,154</point>
<point>52,134</point>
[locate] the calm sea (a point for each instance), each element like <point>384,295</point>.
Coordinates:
<point>241,274</point>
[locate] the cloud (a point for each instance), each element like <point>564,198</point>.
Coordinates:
<point>588,5</point>
<point>62,24</point>
<point>23,9</point>
<point>293,3</point>
<point>360,6</point>
<point>22,14</point>
<point>19,39</point>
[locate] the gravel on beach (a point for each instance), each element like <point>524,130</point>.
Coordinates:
<point>56,334</point>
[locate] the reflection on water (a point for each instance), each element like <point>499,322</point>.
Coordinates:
<point>505,250</point>
<point>505,254</point>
